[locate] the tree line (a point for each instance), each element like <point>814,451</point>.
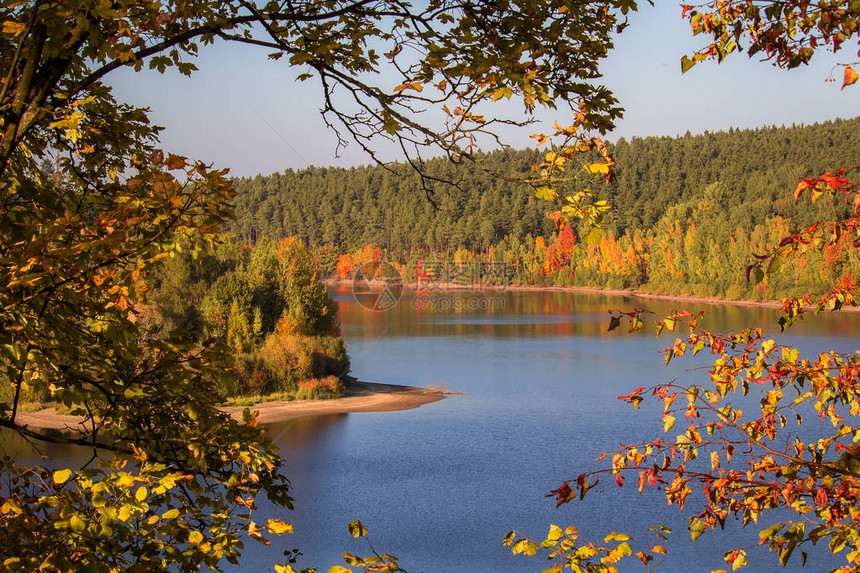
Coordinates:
<point>688,214</point>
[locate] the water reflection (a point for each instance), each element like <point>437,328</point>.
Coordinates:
<point>27,452</point>
<point>441,485</point>
<point>520,313</point>
<point>303,433</point>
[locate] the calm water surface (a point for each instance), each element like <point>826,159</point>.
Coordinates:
<point>441,485</point>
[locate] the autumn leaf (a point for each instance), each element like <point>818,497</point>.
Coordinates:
<point>668,422</point>
<point>686,64</point>
<point>357,529</point>
<point>14,28</point>
<point>62,476</point>
<point>599,168</point>
<point>546,192</point>
<point>540,138</point>
<point>397,49</point>
<point>278,527</point>
<point>176,161</point>
<point>849,77</point>
<point>417,86</point>
<point>559,219</point>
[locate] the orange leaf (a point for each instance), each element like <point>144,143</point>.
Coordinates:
<point>540,137</point>
<point>175,161</point>
<point>417,86</point>
<point>14,28</point>
<point>850,76</point>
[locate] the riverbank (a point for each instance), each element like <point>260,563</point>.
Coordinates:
<point>633,293</point>
<point>359,397</point>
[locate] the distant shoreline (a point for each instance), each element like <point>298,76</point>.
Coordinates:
<point>337,282</point>
<point>359,397</point>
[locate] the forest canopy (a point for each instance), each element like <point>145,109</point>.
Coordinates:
<point>688,214</point>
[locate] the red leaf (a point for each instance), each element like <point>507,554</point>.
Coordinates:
<point>684,9</point>
<point>632,394</point>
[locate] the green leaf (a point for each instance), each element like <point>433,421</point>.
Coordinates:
<point>697,528</point>
<point>686,64</point>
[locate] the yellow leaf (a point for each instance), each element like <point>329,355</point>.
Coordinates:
<point>124,513</point>
<point>659,549</point>
<point>668,422</point>
<point>140,494</point>
<point>62,476</point>
<point>10,506</point>
<point>170,514</point>
<point>77,523</point>
<point>195,537</point>
<point>598,168</point>
<point>278,527</point>
<point>14,28</point>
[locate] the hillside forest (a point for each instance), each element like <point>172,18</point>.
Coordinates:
<point>688,215</point>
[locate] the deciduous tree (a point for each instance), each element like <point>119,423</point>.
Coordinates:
<point>87,205</point>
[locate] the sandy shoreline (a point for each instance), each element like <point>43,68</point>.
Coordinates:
<point>360,397</point>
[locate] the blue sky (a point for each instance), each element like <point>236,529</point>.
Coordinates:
<point>247,113</point>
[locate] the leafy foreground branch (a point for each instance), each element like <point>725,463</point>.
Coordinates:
<point>744,448</point>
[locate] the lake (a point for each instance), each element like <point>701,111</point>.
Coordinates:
<point>441,485</point>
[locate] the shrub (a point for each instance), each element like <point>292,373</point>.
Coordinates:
<point>251,376</point>
<point>291,359</point>
<point>320,388</point>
